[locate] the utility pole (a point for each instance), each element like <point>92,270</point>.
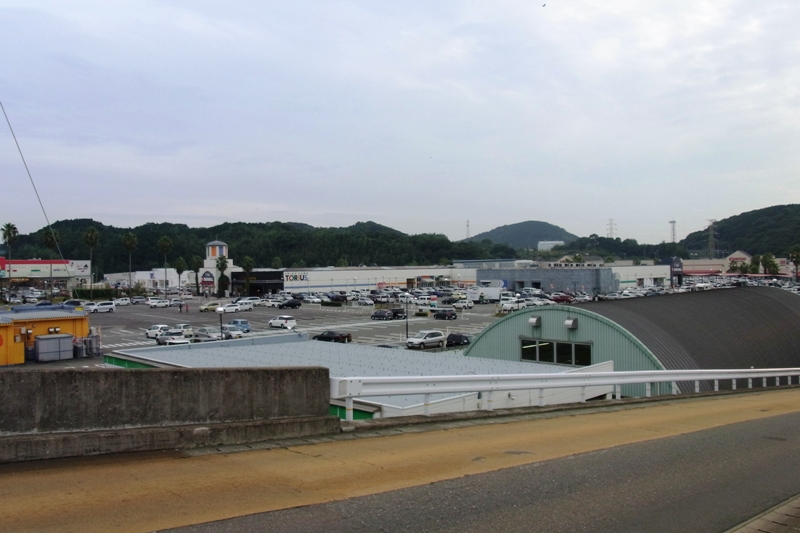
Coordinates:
<point>467,229</point>
<point>672,224</point>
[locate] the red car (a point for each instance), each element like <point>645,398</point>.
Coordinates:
<point>561,298</point>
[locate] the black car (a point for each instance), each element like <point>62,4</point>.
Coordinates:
<point>382,314</point>
<point>399,313</point>
<point>294,303</point>
<point>333,336</point>
<point>445,314</point>
<point>458,339</point>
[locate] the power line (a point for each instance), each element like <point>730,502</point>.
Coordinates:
<point>30,177</point>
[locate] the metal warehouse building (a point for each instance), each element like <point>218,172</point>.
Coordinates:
<point>728,328</point>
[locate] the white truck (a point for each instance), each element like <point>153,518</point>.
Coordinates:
<point>487,295</point>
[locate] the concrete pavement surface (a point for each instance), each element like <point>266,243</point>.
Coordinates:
<point>151,491</point>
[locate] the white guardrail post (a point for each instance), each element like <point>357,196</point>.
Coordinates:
<point>359,387</point>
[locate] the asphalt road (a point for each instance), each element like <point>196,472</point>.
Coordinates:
<point>698,465</point>
<point>707,481</point>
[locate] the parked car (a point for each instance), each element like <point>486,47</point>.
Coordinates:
<point>561,298</point>
<point>43,303</point>
<point>188,330</point>
<point>159,303</point>
<point>210,306</point>
<point>175,302</point>
<point>311,299</point>
<point>445,314</point>
<point>207,334</point>
<point>515,304</point>
<point>282,321</point>
<point>333,336</point>
<point>426,338</point>
<point>253,300</point>
<point>272,302</point>
<point>458,339</point>
<point>241,323</point>
<point>463,304</point>
<point>169,335</point>
<point>138,300</point>
<point>244,305</point>
<point>294,303</point>
<point>154,331</point>
<point>231,332</point>
<point>365,301</point>
<point>99,307</point>
<point>229,308</point>
<point>382,314</point>
<point>122,301</point>
<point>398,313</point>
<point>74,303</point>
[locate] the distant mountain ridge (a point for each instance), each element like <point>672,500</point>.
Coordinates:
<point>525,234</point>
<point>771,229</point>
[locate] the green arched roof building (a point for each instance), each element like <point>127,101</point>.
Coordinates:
<point>742,327</point>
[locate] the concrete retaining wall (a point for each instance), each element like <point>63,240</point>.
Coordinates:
<point>61,413</point>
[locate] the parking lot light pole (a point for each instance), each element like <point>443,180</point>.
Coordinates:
<point>406,317</point>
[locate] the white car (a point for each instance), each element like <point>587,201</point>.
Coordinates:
<point>272,303</point>
<point>154,331</point>
<point>245,305</point>
<point>99,307</point>
<point>159,303</point>
<point>229,308</point>
<point>312,300</point>
<point>283,321</point>
<point>122,301</point>
<point>365,301</point>
<point>463,304</point>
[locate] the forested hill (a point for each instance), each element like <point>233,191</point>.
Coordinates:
<point>270,244</point>
<point>525,234</point>
<point>770,230</point>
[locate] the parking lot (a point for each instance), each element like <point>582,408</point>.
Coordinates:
<point>124,328</point>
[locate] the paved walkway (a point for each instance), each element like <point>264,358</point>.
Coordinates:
<point>151,491</point>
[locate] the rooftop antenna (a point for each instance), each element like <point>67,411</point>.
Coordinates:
<point>611,228</point>
<point>672,223</point>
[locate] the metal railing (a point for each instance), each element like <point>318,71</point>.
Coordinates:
<point>357,387</point>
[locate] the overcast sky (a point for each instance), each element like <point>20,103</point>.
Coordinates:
<point>416,115</point>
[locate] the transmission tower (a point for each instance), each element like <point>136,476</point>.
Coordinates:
<point>611,229</point>
<point>672,224</point>
<point>711,239</point>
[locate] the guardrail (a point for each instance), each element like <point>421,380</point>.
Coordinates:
<point>356,387</point>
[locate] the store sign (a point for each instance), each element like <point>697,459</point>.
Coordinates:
<point>295,276</point>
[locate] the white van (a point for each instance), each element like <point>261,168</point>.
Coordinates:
<point>252,300</point>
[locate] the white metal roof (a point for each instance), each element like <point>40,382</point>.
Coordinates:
<point>342,360</point>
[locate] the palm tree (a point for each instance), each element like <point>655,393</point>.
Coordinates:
<point>129,242</point>
<point>248,264</point>
<point>50,237</point>
<point>10,234</point>
<point>195,264</point>
<point>180,268</point>
<point>222,266</point>
<point>165,245</point>
<point>90,238</point>
<point>794,257</point>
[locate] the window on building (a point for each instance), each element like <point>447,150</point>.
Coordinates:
<point>564,353</point>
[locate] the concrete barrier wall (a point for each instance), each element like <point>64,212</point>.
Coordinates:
<point>58,413</point>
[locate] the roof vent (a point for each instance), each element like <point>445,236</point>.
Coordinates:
<point>571,323</point>
<point>535,321</point>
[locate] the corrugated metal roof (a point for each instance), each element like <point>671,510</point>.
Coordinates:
<point>8,318</point>
<point>343,360</point>
<point>726,328</point>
